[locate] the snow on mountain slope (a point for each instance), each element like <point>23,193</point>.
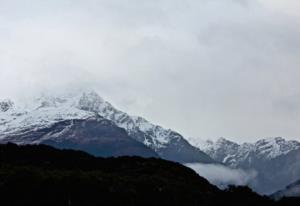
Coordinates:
<point>273,147</point>
<point>232,153</point>
<point>97,136</point>
<point>47,110</point>
<point>276,160</point>
<point>158,136</point>
<point>39,113</point>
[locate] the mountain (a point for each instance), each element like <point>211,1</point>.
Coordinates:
<point>41,175</point>
<point>18,121</point>
<point>276,160</point>
<point>96,136</point>
<point>292,190</point>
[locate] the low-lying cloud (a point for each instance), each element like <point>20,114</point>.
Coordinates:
<point>223,176</point>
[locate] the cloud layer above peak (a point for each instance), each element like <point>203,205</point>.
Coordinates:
<point>206,68</point>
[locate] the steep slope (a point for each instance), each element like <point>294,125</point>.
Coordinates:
<point>39,113</point>
<point>96,136</point>
<point>222,150</point>
<point>168,144</point>
<point>48,110</point>
<point>276,160</point>
<point>292,190</point>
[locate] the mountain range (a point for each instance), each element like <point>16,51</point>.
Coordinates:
<point>276,160</point>
<point>87,122</point>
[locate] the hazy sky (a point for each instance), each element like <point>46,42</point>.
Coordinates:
<point>206,68</point>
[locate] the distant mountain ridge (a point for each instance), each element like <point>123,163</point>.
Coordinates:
<point>232,154</point>
<point>292,190</point>
<point>276,160</point>
<point>45,111</point>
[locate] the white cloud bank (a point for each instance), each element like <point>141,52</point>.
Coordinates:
<point>206,68</point>
<point>223,176</point>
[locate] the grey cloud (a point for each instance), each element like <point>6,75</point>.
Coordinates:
<point>223,176</point>
<point>205,68</point>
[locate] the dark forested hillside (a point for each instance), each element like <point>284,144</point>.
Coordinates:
<point>41,175</point>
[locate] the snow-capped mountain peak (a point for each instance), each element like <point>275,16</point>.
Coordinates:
<point>40,113</point>
<point>91,101</point>
<point>231,153</point>
<point>274,147</point>
<point>156,137</point>
<point>47,110</point>
<point>221,149</point>
<point>275,160</point>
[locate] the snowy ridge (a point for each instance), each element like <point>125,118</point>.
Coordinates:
<point>47,110</point>
<point>274,147</point>
<point>41,113</point>
<point>275,160</point>
<point>157,137</point>
<point>232,153</point>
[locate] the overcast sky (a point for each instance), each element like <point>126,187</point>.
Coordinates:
<point>205,68</point>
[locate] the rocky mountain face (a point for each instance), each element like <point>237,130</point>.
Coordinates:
<point>96,136</point>
<point>5,105</point>
<point>276,160</point>
<point>168,144</point>
<point>34,121</point>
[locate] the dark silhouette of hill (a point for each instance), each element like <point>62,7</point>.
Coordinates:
<point>292,190</point>
<point>41,175</point>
